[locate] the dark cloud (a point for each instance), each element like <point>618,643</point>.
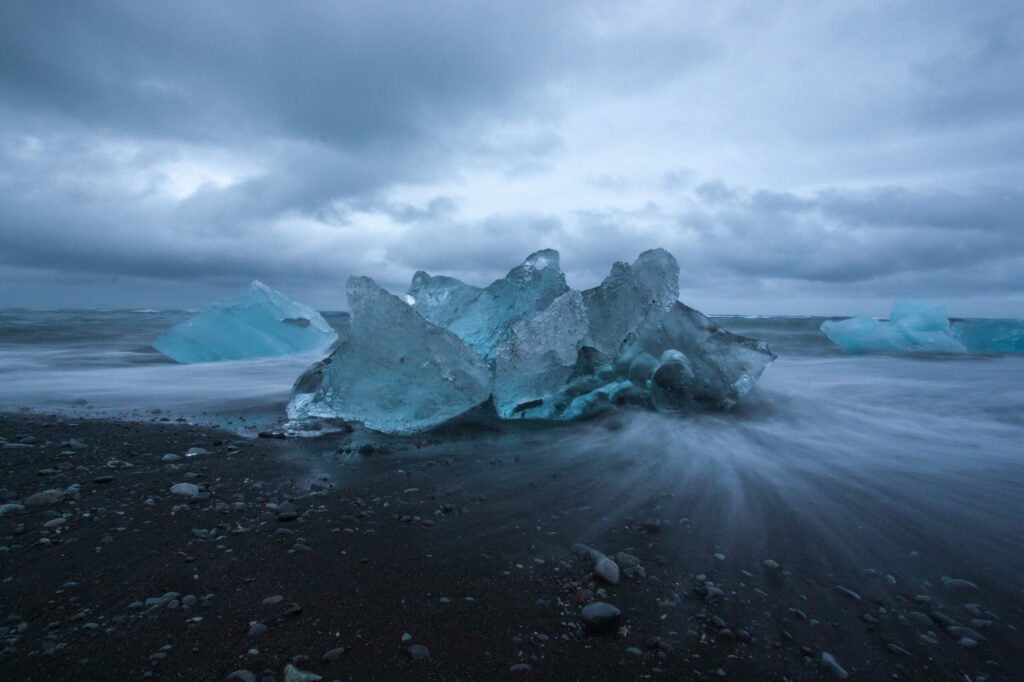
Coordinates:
<point>205,144</point>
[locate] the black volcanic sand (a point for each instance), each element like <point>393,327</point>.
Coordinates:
<point>462,542</point>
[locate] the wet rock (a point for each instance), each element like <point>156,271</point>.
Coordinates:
<point>293,674</point>
<point>829,661</point>
<point>189,490</point>
<point>45,498</point>
<point>600,617</point>
<point>241,675</point>
<point>418,652</point>
<point>257,629</point>
<point>11,508</point>
<point>332,655</point>
<point>607,570</point>
<point>520,668</point>
<point>957,584</point>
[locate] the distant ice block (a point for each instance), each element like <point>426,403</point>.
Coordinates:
<point>396,372</point>
<point>990,337</point>
<point>262,323</point>
<point>535,347</point>
<point>914,327</point>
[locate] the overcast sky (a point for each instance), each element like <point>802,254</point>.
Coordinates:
<point>796,157</point>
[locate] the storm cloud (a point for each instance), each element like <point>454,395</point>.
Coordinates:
<point>796,157</point>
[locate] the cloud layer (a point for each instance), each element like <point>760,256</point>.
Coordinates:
<point>797,157</point>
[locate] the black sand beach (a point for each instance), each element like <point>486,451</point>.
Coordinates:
<point>336,554</point>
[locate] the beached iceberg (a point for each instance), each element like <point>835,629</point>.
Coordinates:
<point>914,327</point>
<point>536,348</point>
<point>262,323</point>
<point>396,372</point>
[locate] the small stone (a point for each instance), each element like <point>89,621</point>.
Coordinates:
<point>103,479</point>
<point>273,599</point>
<point>257,629</point>
<point>171,457</point>
<point>520,668</point>
<point>829,661</point>
<point>46,498</point>
<point>333,654</point>
<point>607,570</point>
<point>241,676</point>
<point>293,674</point>
<point>600,616</point>
<point>185,489</point>
<point>418,652</point>
<point>11,508</point>
<point>770,564</point>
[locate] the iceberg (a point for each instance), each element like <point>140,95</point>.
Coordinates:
<point>396,372</point>
<point>531,346</point>
<point>990,337</point>
<point>914,327</point>
<point>262,323</point>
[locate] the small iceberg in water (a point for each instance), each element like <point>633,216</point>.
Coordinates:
<point>263,323</point>
<point>918,327</point>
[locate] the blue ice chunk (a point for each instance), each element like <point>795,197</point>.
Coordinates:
<point>700,365</point>
<point>539,355</point>
<point>990,337</point>
<point>484,318</point>
<point>440,299</point>
<point>262,323</point>
<point>914,327</point>
<point>396,372</point>
<point>628,296</point>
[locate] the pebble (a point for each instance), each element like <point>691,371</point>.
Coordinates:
<point>45,498</point>
<point>961,631</point>
<point>185,489</point>
<point>829,661</point>
<point>171,457</point>
<point>520,668</point>
<point>848,592</point>
<point>293,674</point>
<point>418,652</point>
<point>607,570</point>
<point>53,523</point>
<point>241,675</point>
<point>770,564</point>
<point>957,584</point>
<point>257,629</point>
<point>11,508</point>
<point>103,479</point>
<point>600,616</point>
<point>333,654</point>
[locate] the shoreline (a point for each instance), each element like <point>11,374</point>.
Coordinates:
<point>469,543</point>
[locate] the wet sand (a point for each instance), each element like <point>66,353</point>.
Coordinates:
<point>480,543</point>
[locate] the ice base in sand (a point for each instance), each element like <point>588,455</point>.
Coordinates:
<point>263,323</point>
<point>532,345</point>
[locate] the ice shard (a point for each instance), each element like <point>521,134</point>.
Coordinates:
<point>484,318</point>
<point>539,355</point>
<point>914,327</point>
<point>396,372</point>
<point>628,297</point>
<point>440,299</point>
<point>262,323</point>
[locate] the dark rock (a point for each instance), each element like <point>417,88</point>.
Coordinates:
<point>600,617</point>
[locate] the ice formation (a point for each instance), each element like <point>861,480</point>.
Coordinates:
<point>914,327</point>
<point>990,336</point>
<point>262,323</point>
<point>535,347</point>
<point>396,372</point>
